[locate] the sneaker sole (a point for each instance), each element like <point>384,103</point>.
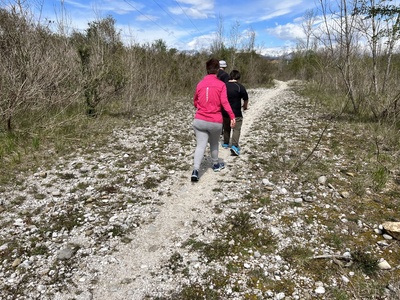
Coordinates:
<point>194,178</point>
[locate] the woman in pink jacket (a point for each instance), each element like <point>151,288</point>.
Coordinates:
<point>209,97</point>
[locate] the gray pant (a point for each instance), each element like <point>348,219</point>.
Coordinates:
<point>206,132</point>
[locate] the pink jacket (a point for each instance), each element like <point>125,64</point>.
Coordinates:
<point>210,95</point>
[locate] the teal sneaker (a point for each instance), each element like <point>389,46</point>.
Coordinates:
<point>225,146</point>
<point>235,150</point>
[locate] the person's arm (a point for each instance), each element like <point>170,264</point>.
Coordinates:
<point>245,103</point>
<point>245,98</point>
<point>195,98</point>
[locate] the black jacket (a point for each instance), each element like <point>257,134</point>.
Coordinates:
<point>236,92</point>
<point>222,75</point>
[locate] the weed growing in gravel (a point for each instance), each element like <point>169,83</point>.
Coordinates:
<point>265,200</point>
<point>66,220</point>
<point>18,200</point>
<point>66,176</point>
<point>39,196</point>
<point>193,292</point>
<point>365,262</point>
<point>297,256</point>
<point>38,249</point>
<point>151,182</point>
<point>117,230</point>
<point>339,294</point>
<point>175,262</point>
<point>379,178</point>
<point>108,189</point>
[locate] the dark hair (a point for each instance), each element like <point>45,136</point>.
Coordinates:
<point>212,66</point>
<point>234,75</point>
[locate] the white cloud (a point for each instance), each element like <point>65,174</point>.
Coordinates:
<point>196,9</point>
<point>274,14</point>
<point>148,18</point>
<point>200,4</point>
<point>288,31</point>
<point>78,4</point>
<point>190,12</point>
<point>201,42</point>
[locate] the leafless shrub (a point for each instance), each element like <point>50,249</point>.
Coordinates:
<point>35,69</point>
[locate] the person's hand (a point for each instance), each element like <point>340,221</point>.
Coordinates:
<point>233,123</point>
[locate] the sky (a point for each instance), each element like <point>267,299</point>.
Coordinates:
<point>186,24</point>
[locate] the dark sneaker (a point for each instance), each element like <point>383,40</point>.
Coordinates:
<point>235,150</point>
<point>218,167</point>
<point>225,146</point>
<point>195,175</point>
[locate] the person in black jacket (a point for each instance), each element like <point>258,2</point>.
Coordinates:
<point>236,93</point>
<point>222,75</point>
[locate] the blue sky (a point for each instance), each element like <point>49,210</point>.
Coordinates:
<point>187,24</point>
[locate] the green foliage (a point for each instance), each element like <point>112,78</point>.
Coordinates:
<point>194,292</point>
<point>240,223</point>
<point>8,144</point>
<point>297,255</point>
<point>304,65</point>
<point>101,53</point>
<point>379,178</point>
<point>365,262</point>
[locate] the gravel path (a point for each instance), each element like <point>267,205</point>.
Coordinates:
<point>188,202</point>
<point>114,221</point>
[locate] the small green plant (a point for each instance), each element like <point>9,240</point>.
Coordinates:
<point>151,183</point>
<point>359,187</point>
<point>117,230</point>
<point>334,239</point>
<point>175,262</point>
<point>339,294</point>
<point>109,189</point>
<point>256,278</point>
<point>216,250</point>
<point>82,185</point>
<point>18,200</point>
<point>240,222</point>
<point>194,292</point>
<point>39,250</point>
<point>264,200</point>
<point>39,196</point>
<point>77,166</point>
<point>297,255</point>
<point>35,143</point>
<point>379,178</point>
<point>365,262</point>
<point>66,176</point>
<point>68,220</point>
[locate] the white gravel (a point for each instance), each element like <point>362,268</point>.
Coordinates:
<point>104,223</point>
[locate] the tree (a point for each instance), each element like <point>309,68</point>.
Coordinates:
<point>35,68</point>
<point>218,46</point>
<point>101,56</point>
<point>234,38</point>
<point>379,23</point>
<point>340,39</point>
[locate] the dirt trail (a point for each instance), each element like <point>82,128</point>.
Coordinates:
<point>128,274</point>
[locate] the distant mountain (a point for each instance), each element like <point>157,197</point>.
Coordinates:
<point>283,56</point>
